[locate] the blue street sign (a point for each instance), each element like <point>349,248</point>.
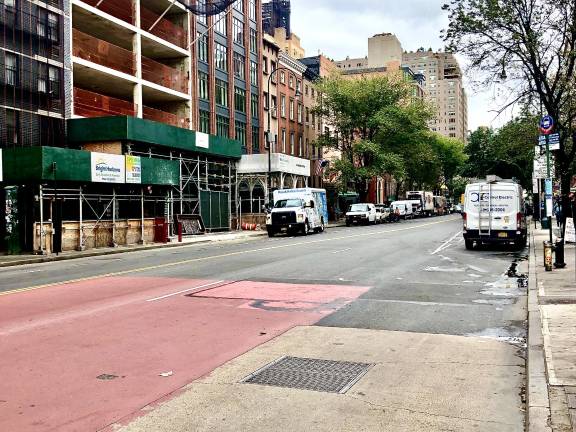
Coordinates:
<point>548,188</point>
<point>546,125</point>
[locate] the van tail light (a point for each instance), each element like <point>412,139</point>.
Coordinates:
<point>519,220</point>
<point>464,219</point>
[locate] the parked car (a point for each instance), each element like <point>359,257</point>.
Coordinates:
<point>363,213</point>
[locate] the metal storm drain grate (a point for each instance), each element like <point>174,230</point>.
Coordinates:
<point>310,374</point>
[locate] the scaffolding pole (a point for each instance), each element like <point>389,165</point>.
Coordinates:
<point>142,215</point>
<point>81,235</point>
<point>114,217</point>
<point>41,197</point>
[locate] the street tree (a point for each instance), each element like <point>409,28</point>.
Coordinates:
<point>377,123</point>
<point>532,45</point>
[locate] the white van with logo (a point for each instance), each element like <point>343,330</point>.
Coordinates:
<point>298,210</point>
<point>404,209</point>
<point>493,212</point>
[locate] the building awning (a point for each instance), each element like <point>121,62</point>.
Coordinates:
<point>279,162</point>
<point>137,130</point>
<point>40,164</point>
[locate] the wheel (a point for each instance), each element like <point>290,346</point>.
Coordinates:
<point>322,226</point>
<point>520,243</point>
<point>306,228</point>
<point>469,244</point>
<point>347,223</point>
<point>271,233</point>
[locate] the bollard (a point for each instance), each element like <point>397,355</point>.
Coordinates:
<point>548,256</point>
<point>179,232</point>
<point>559,253</point>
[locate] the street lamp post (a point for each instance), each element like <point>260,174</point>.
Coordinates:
<point>268,132</point>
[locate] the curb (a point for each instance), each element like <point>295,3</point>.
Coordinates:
<point>45,259</point>
<point>537,399</point>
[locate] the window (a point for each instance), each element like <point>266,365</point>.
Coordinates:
<point>254,105</point>
<point>253,41</point>
<point>254,73</point>
<point>222,93</point>
<point>202,47</point>
<point>53,27</point>
<point>42,22</point>
<point>222,126</point>
<point>283,140</point>
<point>291,109</point>
<point>239,5</point>
<point>291,142</point>
<point>283,105</point>
<point>221,57</point>
<point>265,64</point>
<point>11,69</point>
<point>313,121</point>
<point>299,113</point>
<point>282,77</point>
<point>42,78</point>
<point>220,23</point>
<point>291,81</point>
<point>307,115</point>
<point>306,89</point>
<point>203,92</point>
<point>252,9</point>
<point>299,85</point>
<point>239,63</point>
<point>255,139</point>
<point>12,127</point>
<point>204,123</point>
<point>240,134</point>
<point>202,6</point>
<point>54,78</point>
<point>300,147</point>
<point>239,99</point>
<point>274,106</point>
<point>238,31</point>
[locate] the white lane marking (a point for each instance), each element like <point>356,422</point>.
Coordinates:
<point>343,250</point>
<point>419,303</point>
<point>478,269</point>
<point>446,244</point>
<point>183,291</point>
<point>213,257</point>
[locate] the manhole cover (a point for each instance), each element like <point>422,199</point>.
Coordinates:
<point>310,374</point>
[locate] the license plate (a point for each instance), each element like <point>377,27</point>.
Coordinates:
<point>502,235</point>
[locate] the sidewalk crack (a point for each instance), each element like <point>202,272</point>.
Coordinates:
<point>427,413</point>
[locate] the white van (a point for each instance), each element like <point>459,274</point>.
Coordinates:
<point>494,213</point>
<point>405,209</point>
<point>298,210</point>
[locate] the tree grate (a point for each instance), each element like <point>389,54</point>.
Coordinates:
<point>327,376</point>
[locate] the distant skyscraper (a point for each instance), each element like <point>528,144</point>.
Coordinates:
<point>276,13</point>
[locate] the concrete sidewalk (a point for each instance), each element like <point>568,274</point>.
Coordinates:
<point>552,322</point>
<point>15,260</point>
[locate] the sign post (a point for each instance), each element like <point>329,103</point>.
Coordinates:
<point>546,127</point>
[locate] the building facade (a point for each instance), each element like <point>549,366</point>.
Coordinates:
<point>276,14</point>
<point>444,89</point>
<point>158,105</point>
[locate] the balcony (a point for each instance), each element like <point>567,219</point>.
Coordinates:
<point>121,9</point>
<point>90,104</point>
<point>164,29</point>
<point>103,53</point>
<point>166,117</point>
<point>163,75</point>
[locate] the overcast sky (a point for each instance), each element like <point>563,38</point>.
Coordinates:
<point>340,28</point>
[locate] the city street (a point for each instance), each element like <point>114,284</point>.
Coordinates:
<point>159,340</point>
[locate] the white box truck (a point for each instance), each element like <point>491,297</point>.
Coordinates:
<point>300,210</point>
<point>426,200</point>
<point>493,212</point>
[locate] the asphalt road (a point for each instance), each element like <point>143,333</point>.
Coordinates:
<point>414,276</point>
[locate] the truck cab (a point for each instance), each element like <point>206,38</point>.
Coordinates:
<point>297,211</point>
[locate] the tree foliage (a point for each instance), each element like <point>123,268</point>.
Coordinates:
<point>532,44</point>
<point>382,129</point>
<point>507,152</point>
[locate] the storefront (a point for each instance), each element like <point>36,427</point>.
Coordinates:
<point>285,172</point>
<point>125,178</point>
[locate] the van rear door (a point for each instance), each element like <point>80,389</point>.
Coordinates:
<point>504,207</point>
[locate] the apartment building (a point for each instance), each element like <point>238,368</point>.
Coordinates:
<point>276,14</point>
<point>159,106</point>
<point>445,90</point>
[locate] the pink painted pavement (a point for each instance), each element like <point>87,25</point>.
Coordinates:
<point>55,341</point>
